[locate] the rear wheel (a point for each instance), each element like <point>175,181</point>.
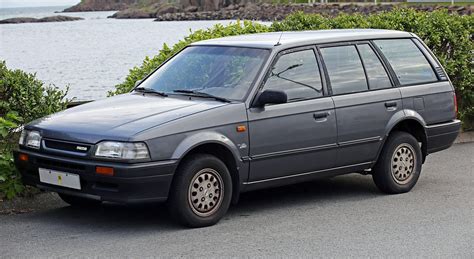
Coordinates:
<point>399,164</point>
<point>79,201</point>
<point>201,191</point>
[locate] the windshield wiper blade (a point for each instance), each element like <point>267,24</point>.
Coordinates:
<point>149,91</point>
<point>201,94</point>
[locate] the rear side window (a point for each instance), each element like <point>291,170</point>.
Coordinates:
<point>408,62</point>
<point>345,70</point>
<point>377,76</point>
<point>296,74</point>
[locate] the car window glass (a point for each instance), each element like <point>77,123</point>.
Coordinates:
<point>345,70</point>
<point>409,64</point>
<point>378,77</point>
<point>296,74</point>
<point>226,72</point>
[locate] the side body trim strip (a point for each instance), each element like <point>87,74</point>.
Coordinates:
<point>307,173</point>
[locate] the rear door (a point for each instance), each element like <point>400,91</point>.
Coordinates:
<point>364,99</point>
<point>298,136</point>
<point>424,86</point>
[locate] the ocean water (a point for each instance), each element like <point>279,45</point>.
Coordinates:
<point>90,56</point>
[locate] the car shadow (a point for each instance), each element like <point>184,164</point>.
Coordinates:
<point>321,192</point>
<point>152,217</point>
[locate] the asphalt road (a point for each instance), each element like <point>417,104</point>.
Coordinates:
<point>339,217</point>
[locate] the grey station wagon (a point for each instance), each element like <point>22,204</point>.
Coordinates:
<point>235,114</point>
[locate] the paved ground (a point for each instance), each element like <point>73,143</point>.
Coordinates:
<point>343,216</point>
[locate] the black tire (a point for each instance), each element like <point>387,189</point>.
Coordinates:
<point>394,171</point>
<point>188,191</point>
<point>79,201</point>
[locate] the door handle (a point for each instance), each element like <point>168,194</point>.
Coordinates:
<point>320,115</point>
<point>390,104</point>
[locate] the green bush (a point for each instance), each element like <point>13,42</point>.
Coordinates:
<point>29,97</point>
<point>23,98</point>
<point>450,36</point>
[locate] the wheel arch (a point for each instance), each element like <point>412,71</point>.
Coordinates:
<point>215,144</point>
<point>410,122</point>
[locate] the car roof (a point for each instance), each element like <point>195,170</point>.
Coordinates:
<point>294,38</point>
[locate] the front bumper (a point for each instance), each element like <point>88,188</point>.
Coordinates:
<point>139,182</point>
<point>442,136</point>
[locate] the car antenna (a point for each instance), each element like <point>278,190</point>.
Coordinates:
<point>278,43</point>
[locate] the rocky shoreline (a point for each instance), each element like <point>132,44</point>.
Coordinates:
<point>269,12</point>
<point>57,18</point>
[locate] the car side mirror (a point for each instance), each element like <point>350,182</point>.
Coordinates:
<point>138,82</point>
<point>271,97</point>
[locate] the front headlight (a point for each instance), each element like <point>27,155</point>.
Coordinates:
<point>30,139</point>
<point>122,150</point>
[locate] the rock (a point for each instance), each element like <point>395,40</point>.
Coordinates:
<point>132,14</point>
<point>191,9</point>
<point>250,6</point>
<point>230,7</point>
<point>57,18</point>
<point>167,8</point>
<point>100,5</point>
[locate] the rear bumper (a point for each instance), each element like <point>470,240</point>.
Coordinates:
<point>140,182</point>
<point>442,136</point>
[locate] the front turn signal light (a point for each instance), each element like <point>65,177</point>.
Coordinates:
<point>23,157</point>
<point>102,170</point>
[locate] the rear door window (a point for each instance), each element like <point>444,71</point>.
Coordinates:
<point>376,73</point>
<point>408,62</point>
<point>344,68</point>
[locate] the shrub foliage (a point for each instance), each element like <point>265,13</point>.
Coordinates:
<point>449,36</point>
<point>23,98</point>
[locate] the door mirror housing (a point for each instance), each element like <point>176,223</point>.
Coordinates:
<point>271,97</point>
<point>138,82</point>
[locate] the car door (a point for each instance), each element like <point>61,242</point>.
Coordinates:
<point>364,99</point>
<point>423,84</point>
<point>298,136</point>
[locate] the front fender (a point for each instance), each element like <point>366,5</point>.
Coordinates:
<point>213,137</point>
<point>201,138</point>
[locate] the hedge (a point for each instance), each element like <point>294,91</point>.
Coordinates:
<point>23,98</point>
<point>449,36</point>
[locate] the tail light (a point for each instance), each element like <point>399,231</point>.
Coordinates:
<point>455,104</point>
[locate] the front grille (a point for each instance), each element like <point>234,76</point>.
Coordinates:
<point>67,146</point>
<point>52,164</point>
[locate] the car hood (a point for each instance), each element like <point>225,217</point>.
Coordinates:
<point>118,118</point>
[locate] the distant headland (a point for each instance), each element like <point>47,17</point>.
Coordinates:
<point>57,18</point>
<point>183,10</point>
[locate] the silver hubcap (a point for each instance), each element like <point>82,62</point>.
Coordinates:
<point>205,192</point>
<point>403,163</point>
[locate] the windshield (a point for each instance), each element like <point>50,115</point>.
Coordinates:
<point>226,72</point>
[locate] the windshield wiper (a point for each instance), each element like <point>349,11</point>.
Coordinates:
<point>146,90</point>
<point>201,94</point>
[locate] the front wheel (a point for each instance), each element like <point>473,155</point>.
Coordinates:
<point>201,191</point>
<point>399,165</point>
